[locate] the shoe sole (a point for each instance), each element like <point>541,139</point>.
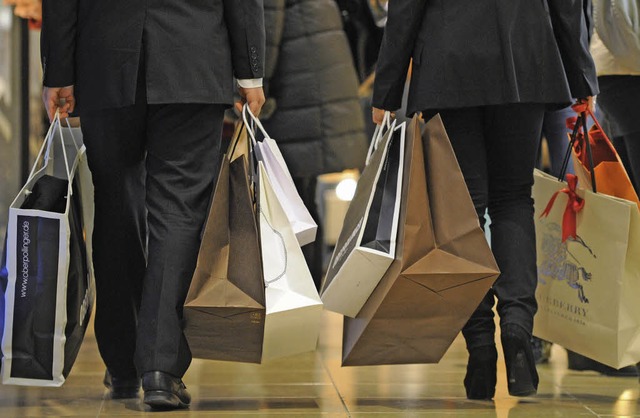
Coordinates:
<point>523,392</point>
<point>163,400</point>
<point>133,394</point>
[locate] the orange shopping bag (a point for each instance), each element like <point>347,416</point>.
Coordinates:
<point>610,175</point>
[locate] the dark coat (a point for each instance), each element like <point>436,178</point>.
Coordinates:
<point>191,49</point>
<point>484,52</point>
<point>312,83</point>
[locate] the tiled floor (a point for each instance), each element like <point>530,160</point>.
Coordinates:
<point>314,385</point>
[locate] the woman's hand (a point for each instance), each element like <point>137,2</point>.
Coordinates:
<point>590,101</point>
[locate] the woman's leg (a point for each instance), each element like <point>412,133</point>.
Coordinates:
<point>465,130</point>
<point>466,133</point>
<point>512,133</point>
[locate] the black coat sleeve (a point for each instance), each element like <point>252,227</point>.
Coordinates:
<point>572,35</point>
<point>58,42</point>
<point>245,21</point>
<point>403,23</point>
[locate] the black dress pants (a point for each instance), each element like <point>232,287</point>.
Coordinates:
<point>496,147</point>
<point>153,169</point>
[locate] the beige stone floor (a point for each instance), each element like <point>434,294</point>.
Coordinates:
<point>314,385</point>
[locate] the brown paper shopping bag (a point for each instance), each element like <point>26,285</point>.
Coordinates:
<point>225,307</point>
<point>443,266</point>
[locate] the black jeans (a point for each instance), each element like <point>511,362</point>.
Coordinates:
<point>153,168</point>
<point>496,148</point>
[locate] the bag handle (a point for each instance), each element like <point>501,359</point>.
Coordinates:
<point>46,149</point>
<point>378,134</point>
<point>73,137</point>
<point>236,140</point>
<point>254,122</point>
<point>581,122</point>
<point>284,250</point>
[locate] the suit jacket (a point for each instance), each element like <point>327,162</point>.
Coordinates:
<point>190,49</point>
<point>484,52</point>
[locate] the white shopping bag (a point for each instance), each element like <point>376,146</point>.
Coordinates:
<point>367,244</point>
<point>50,289</point>
<point>588,285</point>
<point>267,152</point>
<point>293,307</point>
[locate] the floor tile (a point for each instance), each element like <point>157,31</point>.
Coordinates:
<point>316,385</point>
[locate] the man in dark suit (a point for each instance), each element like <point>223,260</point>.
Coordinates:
<point>152,80</point>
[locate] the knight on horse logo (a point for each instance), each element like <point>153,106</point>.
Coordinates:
<point>561,263</point>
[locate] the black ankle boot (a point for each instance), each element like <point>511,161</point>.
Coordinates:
<point>480,381</point>
<point>522,376</point>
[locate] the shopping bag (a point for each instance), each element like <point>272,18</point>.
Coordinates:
<point>50,284</point>
<point>225,307</point>
<point>611,177</point>
<point>267,152</point>
<point>443,266</point>
<point>293,307</point>
<point>367,243</point>
<point>588,271</point>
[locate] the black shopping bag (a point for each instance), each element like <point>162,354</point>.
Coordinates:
<point>49,293</point>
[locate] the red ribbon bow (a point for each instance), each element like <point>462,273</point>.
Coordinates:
<point>574,205</point>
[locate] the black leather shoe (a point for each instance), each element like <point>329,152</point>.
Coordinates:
<point>121,388</point>
<point>164,391</point>
<point>522,376</point>
<point>480,381</point>
<point>580,363</point>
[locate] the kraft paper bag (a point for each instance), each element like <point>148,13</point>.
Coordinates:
<point>225,308</point>
<point>588,285</point>
<point>443,266</point>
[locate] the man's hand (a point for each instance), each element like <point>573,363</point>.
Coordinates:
<point>378,115</point>
<point>55,98</point>
<point>254,97</point>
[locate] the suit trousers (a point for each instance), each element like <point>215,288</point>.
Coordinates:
<point>153,169</point>
<point>496,147</point>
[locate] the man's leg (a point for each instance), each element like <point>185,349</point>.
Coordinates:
<point>182,161</point>
<point>115,147</point>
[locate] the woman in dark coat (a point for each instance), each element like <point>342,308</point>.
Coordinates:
<point>491,68</point>
<point>312,106</point>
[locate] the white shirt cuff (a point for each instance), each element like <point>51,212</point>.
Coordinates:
<point>250,83</point>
